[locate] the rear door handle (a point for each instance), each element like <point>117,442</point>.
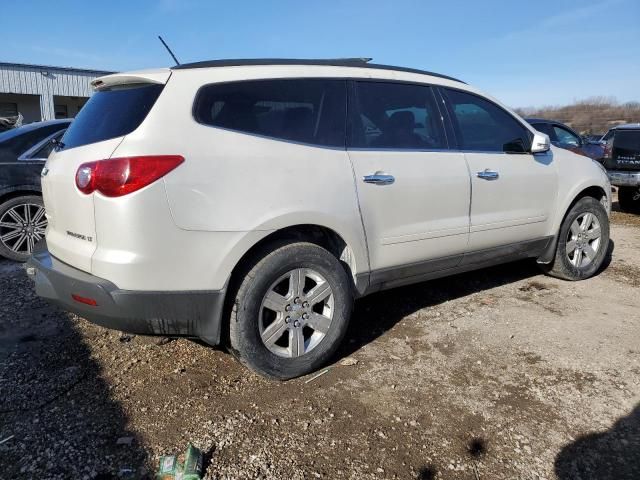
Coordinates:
<point>379,178</point>
<point>487,174</point>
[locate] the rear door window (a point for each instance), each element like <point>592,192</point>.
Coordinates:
<point>484,126</point>
<point>311,111</point>
<point>111,113</point>
<point>396,116</point>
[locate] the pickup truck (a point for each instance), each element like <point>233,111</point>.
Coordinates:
<point>622,162</point>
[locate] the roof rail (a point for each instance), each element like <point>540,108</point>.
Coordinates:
<point>335,62</point>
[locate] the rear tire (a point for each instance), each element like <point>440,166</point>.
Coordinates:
<point>583,241</point>
<point>629,199</point>
<point>291,311</point>
<point>22,225</point>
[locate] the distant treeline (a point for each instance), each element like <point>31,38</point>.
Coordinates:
<point>591,116</point>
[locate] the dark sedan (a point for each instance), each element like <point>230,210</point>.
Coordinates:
<point>564,137</point>
<point>23,152</point>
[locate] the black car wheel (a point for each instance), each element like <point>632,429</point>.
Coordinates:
<point>629,199</point>
<point>583,241</point>
<point>22,225</point>
<point>291,311</point>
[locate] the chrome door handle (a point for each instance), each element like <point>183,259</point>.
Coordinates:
<point>379,178</point>
<point>488,174</point>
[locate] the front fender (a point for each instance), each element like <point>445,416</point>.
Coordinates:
<point>590,175</point>
<point>577,174</point>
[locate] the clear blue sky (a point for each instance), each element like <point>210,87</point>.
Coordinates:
<point>525,52</point>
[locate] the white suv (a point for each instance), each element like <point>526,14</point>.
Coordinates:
<point>249,202</point>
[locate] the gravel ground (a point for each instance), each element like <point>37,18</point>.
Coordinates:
<point>500,374</point>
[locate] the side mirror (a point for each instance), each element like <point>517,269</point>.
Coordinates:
<point>540,143</point>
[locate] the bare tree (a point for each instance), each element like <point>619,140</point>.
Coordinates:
<point>593,115</point>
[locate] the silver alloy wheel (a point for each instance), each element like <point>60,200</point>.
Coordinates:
<point>22,226</point>
<point>296,313</point>
<point>583,240</point>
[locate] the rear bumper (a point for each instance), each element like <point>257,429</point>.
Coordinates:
<point>188,313</point>
<point>620,178</point>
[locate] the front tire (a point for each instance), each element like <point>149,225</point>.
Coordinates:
<point>22,225</point>
<point>629,199</point>
<point>291,311</point>
<point>583,241</point>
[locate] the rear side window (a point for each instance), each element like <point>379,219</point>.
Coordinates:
<point>627,141</point>
<point>483,126</point>
<point>397,116</point>
<point>301,110</point>
<point>111,113</point>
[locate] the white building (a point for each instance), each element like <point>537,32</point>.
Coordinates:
<point>39,92</point>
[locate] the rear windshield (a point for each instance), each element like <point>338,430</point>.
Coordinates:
<point>111,113</point>
<point>627,140</point>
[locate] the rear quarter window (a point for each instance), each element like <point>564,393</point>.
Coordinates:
<point>311,111</point>
<point>111,113</point>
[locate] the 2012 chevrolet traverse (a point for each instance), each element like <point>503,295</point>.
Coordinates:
<point>249,202</point>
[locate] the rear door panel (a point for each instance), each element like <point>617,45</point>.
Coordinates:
<point>423,215</point>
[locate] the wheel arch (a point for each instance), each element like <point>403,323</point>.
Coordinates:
<point>18,191</point>
<point>321,235</point>
<point>592,190</point>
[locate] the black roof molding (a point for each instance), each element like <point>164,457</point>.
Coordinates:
<point>334,62</point>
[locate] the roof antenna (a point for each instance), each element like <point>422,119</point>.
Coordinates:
<point>169,50</point>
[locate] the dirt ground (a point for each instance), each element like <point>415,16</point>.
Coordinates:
<point>498,374</point>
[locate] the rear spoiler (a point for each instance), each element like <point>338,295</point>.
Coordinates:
<point>157,76</point>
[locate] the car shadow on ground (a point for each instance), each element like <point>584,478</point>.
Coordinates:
<point>377,313</point>
<point>610,455</point>
<point>57,415</point>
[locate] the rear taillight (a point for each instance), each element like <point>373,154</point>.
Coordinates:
<point>608,147</point>
<point>119,176</point>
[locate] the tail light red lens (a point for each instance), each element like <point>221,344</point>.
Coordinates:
<point>119,176</point>
<point>608,147</point>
